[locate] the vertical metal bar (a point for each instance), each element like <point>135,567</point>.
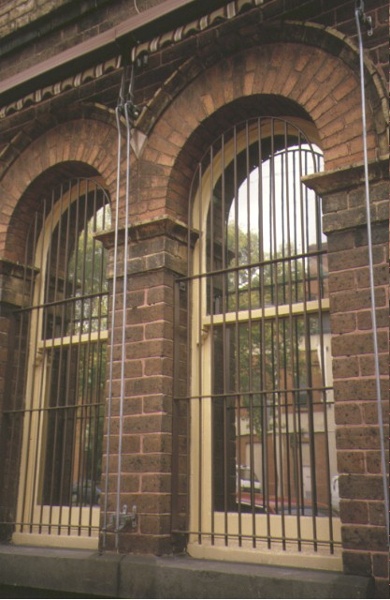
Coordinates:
<point>100,199</point>
<point>81,415</point>
<point>191,348</point>
<point>90,345</point>
<point>200,353</point>
<point>296,339</point>
<point>80,350</point>
<point>69,331</point>
<point>226,426</point>
<point>294,364</point>
<point>46,336</point>
<point>94,326</point>
<point>237,361</point>
<point>85,349</point>
<point>226,343</point>
<point>210,283</point>
<point>27,417</point>
<point>277,364</point>
<point>297,297</point>
<point>19,381</point>
<point>175,407</point>
<point>45,394</point>
<point>306,335</point>
<point>319,286</point>
<point>283,161</point>
<point>54,351</point>
<point>250,261</point>
<point>292,441</point>
<point>263,351</point>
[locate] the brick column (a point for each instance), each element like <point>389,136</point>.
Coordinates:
<point>364,535</point>
<point>157,254</point>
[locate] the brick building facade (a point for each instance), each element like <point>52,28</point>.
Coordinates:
<point>216,94</point>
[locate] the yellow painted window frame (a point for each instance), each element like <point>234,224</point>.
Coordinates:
<point>55,526</point>
<point>201,418</point>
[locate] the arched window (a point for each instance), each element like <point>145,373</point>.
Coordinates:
<point>61,376</point>
<point>262,451</point>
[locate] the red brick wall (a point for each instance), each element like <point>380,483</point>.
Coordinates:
<point>15,14</point>
<point>320,79</point>
<point>340,15</point>
<point>308,76</point>
<point>65,23</point>
<point>155,258</point>
<point>52,26</point>
<point>359,461</point>
<point>357,431</point>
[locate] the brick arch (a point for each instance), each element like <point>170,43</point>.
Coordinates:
<point>76,148</point>
<point>43,123</point>
<point>319,84</point>
<point>303,38</point>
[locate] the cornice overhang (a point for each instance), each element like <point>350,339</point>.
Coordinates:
<point>100,52</point>
<point>339,180</point>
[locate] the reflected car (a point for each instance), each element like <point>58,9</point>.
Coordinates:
<point>304,510</point>
<point>245,503</point>
<point>259,504</point>
<point>248,480</point>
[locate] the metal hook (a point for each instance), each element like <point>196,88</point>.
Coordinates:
<point>364,19</point>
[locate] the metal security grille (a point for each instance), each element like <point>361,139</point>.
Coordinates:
<point>59,357</point>
<point>254,401</point>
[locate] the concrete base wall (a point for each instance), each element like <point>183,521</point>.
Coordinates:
<point>125,576</point>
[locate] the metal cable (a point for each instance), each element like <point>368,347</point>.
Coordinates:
<point>362,18</point>
<point>113,313</point>
<point>126,107</point>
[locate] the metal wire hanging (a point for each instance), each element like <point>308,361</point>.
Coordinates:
<point>363,19</point>
<point>126,111</point>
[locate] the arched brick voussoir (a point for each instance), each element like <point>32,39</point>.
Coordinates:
<point>322,84</point>
<point>87,141</point>
<point>303,39</point>
<point>81,142</point>
<point>41,124</point>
